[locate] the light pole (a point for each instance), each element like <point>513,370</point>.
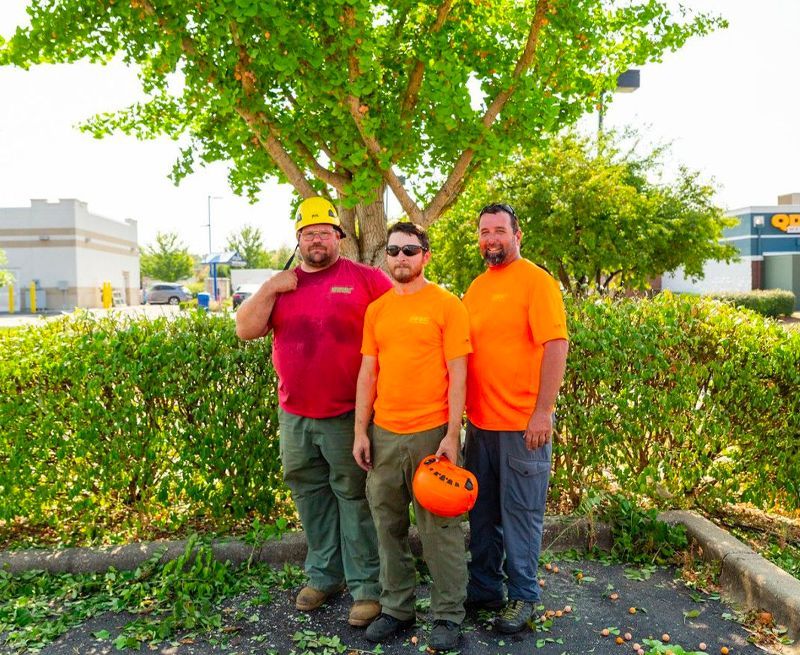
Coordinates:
<point>213,265</point>
<point>627,82</point>
<point>210,198</point>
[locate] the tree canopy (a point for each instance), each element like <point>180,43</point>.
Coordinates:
<point>595,214</point>
<point>168,260</point>
<point>346,97</point>
<point>249,243</point>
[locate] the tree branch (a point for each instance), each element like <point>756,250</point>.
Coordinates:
<point>357,111</point>
<point>452,185</point>
<point>415,78</point>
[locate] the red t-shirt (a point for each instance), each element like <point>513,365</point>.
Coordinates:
<point>317,337</point>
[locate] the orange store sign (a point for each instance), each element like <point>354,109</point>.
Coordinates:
<point>789,223</point>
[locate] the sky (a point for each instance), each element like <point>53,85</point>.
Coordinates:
<point>728,103</point>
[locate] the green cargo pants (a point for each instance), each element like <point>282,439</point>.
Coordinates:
<point>395,458</point>
<point>328,489</point>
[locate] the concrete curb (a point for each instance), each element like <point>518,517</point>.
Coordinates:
<point>747,578</point>
<point>559,534</point>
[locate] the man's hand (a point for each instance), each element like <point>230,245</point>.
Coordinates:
<point>361,451</point>
<point>539,430</point>
<point>283,281</point>
<point>449,447</point>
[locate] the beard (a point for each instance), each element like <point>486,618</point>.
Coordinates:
<point>318,257</point>
<point>405,274</point>
<point>495,258</point>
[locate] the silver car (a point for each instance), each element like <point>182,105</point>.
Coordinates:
<point>170,294</point>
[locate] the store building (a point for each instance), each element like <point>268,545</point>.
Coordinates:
<point>68,253</point>
<point>768,240</point>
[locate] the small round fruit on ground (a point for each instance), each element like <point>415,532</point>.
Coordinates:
<point>631,610</point>
<point>702,645</point>
<point>724,650</point>
<point>628,636</point>
<point>665,638</point>
<point>619,641</point>
<point>605,632</point>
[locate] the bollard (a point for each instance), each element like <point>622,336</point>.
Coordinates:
<point>33,297</point>
<point>106,295</point>
<point>10,298</point>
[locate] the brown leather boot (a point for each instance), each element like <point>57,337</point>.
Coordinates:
<point>310,599</point>
<point>363,612</point>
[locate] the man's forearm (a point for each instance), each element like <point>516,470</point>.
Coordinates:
<point>365,399</point>
<point>554,364</point>
<point>456,393</point>
<point>252,317</point>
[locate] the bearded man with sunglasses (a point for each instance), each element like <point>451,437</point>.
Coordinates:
<point>519,336</point>
<point>316,315</point>
<point>413,374</point>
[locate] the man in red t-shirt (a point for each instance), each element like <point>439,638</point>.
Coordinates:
<point>316,313</point>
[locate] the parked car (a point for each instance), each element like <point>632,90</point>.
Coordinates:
<point>171,294</point>
<point>243,292</point>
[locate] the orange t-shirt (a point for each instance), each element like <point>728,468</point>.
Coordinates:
<point>414,336</point>
<point>513,311</point>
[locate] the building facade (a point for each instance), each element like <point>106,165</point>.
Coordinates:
<point>68,253</point>
<point>768,240</point>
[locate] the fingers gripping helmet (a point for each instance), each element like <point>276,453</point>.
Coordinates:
<point>317,211</point>
<point>443,488</point>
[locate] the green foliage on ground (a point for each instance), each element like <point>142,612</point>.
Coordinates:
<point>771,302</point>
<point>123,426</point>
<point>118,430</point>
<point>168,599</point>
<point>683,400</point>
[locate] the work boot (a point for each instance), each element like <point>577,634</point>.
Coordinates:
<point>310,599</point>
<point>514,617</point>
<point>386,626</point>
<point>444,635</point>
<point>363,612</point>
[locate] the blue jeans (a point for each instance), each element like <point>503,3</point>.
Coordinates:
<point>508,516</point>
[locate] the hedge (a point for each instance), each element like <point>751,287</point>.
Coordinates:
<point>157,421</point>
<point>770,302</point>
<point>148,425</point>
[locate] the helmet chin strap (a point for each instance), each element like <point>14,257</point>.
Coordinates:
<point>291,259</point>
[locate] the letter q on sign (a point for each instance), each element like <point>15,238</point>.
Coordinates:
<point>786,222</point>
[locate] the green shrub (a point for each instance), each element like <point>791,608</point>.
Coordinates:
<point>114,428</point>
<point>770,302</point>
<point>680,399</point>
<point>103,422</point>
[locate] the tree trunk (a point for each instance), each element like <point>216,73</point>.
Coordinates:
<point>365,227</point>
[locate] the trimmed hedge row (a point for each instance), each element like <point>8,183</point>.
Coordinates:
<point>103,423</point>
<point>770,302</point>
<point>686,400</point>
<point>154,424</point>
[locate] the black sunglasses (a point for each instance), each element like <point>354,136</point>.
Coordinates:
<point>409,250</point>
<point>498,207</point>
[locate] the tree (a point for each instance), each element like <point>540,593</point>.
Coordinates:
<point>596,215</point>
<point>345,97</point>
<point>250,246</point>
<point>168,260</point>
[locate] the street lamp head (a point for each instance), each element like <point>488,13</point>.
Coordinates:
<point>628,81</point>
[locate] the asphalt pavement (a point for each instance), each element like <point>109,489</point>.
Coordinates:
<point>601,597</point>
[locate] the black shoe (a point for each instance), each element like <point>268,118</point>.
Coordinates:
<point>515,617</point>
<point>491,605</point>
<point>385,626</point>
<point>444,635</point>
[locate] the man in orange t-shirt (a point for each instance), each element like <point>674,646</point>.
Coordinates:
<point>519,336</point>
<point>413,374</point>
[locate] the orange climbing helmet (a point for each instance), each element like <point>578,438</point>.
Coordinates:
<point>443,488</point>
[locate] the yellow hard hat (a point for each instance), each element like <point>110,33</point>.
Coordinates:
<point>317,211</point>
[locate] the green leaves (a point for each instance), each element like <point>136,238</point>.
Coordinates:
<point>168,260</point>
